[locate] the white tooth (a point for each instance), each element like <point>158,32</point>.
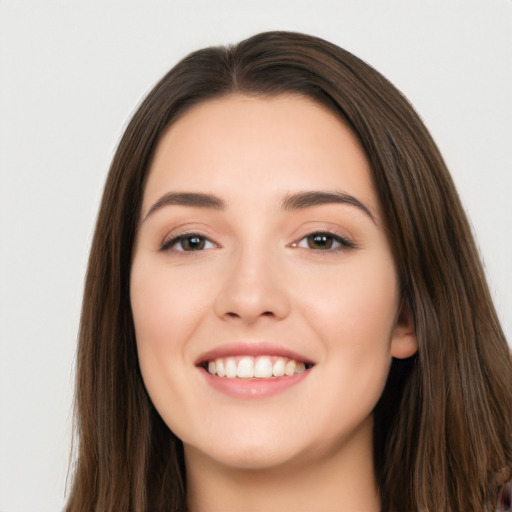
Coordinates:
<point>300,368</point>
<point>278,368</point>
<point>263,368</point>
<point>245,368</point>
<point>211,367</point>
<point>289,368</point>
<point>219,365</point>
<point>230,368</point>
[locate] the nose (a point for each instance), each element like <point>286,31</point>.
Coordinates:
<point>253,288</point>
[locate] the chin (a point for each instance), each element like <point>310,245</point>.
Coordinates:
<point>255,452</point>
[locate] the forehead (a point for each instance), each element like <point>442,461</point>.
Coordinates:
<point>242,147</point>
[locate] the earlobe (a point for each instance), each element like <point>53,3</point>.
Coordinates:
<point>404,343</point>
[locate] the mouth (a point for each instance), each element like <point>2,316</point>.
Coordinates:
<point>254,367</point>
<point>253,370</point>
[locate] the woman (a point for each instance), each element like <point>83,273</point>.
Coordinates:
<point>284,307</point>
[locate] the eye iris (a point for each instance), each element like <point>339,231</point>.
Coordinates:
<point>192,243</point>
<point>320,241</point>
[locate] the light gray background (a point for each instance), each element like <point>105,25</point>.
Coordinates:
<point>71,74</point>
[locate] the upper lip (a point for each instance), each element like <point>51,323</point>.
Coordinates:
<point>251,349</point>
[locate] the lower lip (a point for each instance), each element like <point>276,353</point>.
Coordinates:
<point>253,388</point>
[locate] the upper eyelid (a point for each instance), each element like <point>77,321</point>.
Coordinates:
<point>186,229</point>
<point>345,241</point>
<point>171,240</point>
<point>324,228</point>
<point>177,235</point>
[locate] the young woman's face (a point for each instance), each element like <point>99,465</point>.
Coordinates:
<point>262,249</point>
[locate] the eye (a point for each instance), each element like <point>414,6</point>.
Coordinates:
<point>324,242</point>
<point>189,242</point>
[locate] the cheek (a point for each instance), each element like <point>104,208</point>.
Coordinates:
<point>165,308</point>
<point>357,303</point>
<point>353,313</point>
<point>165,314</point>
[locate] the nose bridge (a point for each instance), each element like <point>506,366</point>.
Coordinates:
<point>252,286</point>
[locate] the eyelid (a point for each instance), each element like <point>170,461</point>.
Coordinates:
<point>343,241</point>
<point>174,237</point>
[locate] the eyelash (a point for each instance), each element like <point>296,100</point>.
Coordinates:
<point>343,242</point>
<point>332,238</point>
<point>171,243</point>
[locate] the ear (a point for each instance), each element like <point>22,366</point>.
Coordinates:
<point>404,343</point>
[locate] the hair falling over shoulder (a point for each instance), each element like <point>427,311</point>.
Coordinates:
<point>443,426</point>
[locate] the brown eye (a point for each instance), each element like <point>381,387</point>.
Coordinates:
<point>192,243</point>
<point>187,243</point>
<point>320,241</point>
<point>324,242</point>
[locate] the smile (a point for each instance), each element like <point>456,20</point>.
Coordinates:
<point>260,367</point>
<point>253,370</point>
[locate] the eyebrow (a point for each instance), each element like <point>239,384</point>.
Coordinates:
<point>194,199</point>
<point>303,200</point>
<point>297,201</point>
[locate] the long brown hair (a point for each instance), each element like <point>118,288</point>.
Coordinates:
<point>442,435</point>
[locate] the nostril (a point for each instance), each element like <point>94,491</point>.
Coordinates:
<point>231,314</point>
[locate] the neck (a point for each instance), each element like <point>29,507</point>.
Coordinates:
<point>341,480</point>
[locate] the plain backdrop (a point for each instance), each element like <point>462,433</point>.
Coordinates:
<point>71,73</point>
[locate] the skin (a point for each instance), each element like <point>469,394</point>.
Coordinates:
<point>258,278</point>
